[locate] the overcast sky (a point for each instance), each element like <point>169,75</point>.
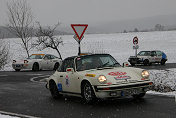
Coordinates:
<point>93,11</point>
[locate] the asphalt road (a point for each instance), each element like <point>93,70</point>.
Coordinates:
<point>19,95</point>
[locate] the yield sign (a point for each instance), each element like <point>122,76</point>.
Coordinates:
<point>79,30</point>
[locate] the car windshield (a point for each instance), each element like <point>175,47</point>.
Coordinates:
<point>95,62</point>
<point>36,56</point>
<point>144,53</point>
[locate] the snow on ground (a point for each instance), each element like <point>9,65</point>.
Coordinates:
<point>7,116</point>
<point>119,45</point>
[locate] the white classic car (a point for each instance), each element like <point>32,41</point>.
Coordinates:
<point>97,76</point>
<point>37,62</point>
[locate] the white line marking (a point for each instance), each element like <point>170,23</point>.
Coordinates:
<point>34,74</point>
<point>40,81</point>
<point>3,75</point>
<point>17,115</point>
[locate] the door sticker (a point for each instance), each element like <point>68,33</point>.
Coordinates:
<point>67,80</point>
<point>59,87</point>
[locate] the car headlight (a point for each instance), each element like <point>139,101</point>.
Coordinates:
<point>145,74</point>
<point>102,79</point>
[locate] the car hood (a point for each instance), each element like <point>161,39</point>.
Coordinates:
<point>117,74</point>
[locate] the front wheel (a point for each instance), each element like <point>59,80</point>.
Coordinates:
<point>17,70</point>
<point>146,62</point>
<point>35,67</point>
<point>88,93</point>
<point>54,91</point>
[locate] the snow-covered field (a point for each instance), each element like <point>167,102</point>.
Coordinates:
<point>118,45</point>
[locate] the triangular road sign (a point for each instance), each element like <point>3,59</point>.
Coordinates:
<point>79,30</point>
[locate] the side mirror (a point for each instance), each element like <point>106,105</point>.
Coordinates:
<point>70,70</point>
<point>125,64</point>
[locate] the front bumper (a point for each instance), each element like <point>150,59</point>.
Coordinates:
<point>21,66</point>
<point>121,90</point>
<point>135,61</point>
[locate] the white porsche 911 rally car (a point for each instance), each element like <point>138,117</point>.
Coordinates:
<point>97,76</point>
<point>37,62</point>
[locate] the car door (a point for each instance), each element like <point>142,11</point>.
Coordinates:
<point>69,78</point>
<point>47,62</point>
<point>158,56</point>
<point>153,56</point>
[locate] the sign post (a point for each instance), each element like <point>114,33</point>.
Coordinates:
<point>135,42</point>
<point>79,30</point>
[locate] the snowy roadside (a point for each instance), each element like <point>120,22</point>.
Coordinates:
<point>164,82</point>
<point>7,116</point>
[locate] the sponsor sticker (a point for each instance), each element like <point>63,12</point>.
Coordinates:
<point>67,80</point>
<point>59,87</point>
<point>119,75</point>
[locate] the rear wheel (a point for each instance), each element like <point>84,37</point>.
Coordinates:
<point>88,93</point>
<point>17,70</point>
<point>53,89</point>
<point>56,66</point>
<point>163,61</point>
<point>35,67</point>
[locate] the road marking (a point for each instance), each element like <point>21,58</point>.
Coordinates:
<point>41,80</point>
<point>3,75</point>
<point>34,74</point>
<point>17,115</point>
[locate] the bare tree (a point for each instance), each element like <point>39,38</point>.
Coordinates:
<point>4,51</point>
<point>46,38</point>
<point>20,22</point>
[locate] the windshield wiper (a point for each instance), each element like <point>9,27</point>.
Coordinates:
<point>103,65</point>
<point>114,64</point>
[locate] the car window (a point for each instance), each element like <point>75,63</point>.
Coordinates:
<point>36,56</point>
<point>158,53</point>
<point>144,53</point>
<point>68,63</point>
<point>95,61</point>
<point>47,57</point>
<point>153,53</point>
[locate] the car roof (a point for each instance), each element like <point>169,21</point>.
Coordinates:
<point>84,55</point>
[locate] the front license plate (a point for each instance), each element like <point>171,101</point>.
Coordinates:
<point>17,65</point>
<point>134,91</point>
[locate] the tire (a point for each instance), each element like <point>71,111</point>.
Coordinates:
<point>88,93</point>
<point>136,96</point>
<point>35,67</point>
<point>17,70</point>
<point>53,90</point>
<point>56,66</point>
<point>132,64</point>
<point>146,62</point>
<point>163,62</point>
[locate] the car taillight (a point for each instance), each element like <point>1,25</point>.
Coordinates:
<point>14,61</point>
<point>25,61</point>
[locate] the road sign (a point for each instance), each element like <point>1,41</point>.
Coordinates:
<point>79,30</point>
<point>135,40</point>
<point>136,47</point>
<point>76,38</point>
